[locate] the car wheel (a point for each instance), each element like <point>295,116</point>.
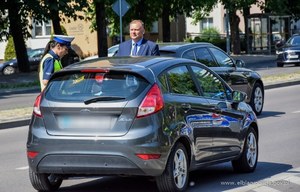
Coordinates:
<point>44,182</point>
<point>247,162</point>
<point>8,70</point>
<point>175,176</point>
<point>279,64</point>
<point>257,99</point>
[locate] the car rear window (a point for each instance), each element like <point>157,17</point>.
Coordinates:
<point>82,86</point>
<point>167,53</point>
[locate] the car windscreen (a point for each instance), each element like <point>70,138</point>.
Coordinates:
<point>89,87</point>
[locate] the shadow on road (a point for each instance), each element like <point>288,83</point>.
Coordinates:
<point>216,178</point>
<point>266,114</point>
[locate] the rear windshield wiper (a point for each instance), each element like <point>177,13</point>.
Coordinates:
<point>102,98</point>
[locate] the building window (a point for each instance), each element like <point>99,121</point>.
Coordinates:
<point>206,23</point>
<point>41,29</point>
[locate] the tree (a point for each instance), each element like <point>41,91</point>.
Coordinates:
<point>172,8</point>
<point>57,11</point>
<point>16,29</point>
<point>101,28</point>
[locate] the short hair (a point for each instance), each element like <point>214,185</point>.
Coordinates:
<point>137,21</point>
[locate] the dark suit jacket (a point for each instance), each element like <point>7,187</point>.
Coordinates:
<point>147,48</point>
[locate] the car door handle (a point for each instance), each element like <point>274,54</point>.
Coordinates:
<point>185,106</point>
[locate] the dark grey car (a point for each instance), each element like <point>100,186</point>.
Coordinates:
<point>147,116</point>
<point>288,52</point>
<point>34,58</point>
<point>233,72</point>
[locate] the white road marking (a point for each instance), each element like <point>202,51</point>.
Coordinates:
<point>296,112</point>
<point>269,184</point>
<point>293,179</point>
<point>265,189</point>
<point>22,168</point>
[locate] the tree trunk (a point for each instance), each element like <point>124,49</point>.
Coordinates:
<point>54,16</point>
<point>246,13</point>
<point>235,36</point>
<point>17,34</point>
<point>166,24</point>
<point>56,22</point>
<point>101,29</point>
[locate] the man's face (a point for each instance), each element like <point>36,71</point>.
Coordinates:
<point>136,31</point>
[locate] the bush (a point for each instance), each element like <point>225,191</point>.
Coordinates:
<point>210,34</point>
<point>10,49</point>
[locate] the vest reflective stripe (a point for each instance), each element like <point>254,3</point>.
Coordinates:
<point>57,67</point>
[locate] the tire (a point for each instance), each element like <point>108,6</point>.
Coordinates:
<point>257,99</point>
<point>44,182</point>
<point>279,64</point>
<point>8,70</point>
<point>176,174</point>
<point>247,162</point>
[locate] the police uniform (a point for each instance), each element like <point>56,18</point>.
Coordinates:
<point>51,62</point>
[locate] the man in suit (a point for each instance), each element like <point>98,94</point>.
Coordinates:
<point>137,46</point>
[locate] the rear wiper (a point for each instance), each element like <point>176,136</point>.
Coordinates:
<point>102,98</point>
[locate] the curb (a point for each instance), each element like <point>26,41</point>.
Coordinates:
<point>25,122</point>
<point>12,124</point>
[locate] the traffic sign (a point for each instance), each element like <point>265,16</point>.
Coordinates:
<point>121,6</point>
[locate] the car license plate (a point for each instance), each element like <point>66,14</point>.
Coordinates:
<point>292,56</point>
<point>87,122</point>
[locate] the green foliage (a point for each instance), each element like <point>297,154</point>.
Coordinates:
<point>10,49</point>
<point>210,34</point>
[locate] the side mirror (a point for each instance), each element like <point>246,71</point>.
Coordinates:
<point>240,63</point>
<point>238,96</point>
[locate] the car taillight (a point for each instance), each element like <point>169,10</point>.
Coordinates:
<point>36,106</point>
<point>32,154</point>
<point>152,103</point>
<point>148,156</point>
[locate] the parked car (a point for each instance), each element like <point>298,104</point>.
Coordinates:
<point>288,52</point>
<point>11,66</point>
<point>233,72</point>
<point>148,116</point>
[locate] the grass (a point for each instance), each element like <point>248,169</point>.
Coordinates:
<point>12,114</point>
<point>19,85</point>
<point>281,77</point>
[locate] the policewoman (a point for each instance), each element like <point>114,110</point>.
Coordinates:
<point>51,61</point>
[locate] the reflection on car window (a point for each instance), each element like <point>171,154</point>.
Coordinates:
<point>211,86</point>
<point>295,40</point>
<point>204,56</point>
<point>223,59</point>
<point>181,81</point>
<point>163,82</point>
<point>189,54</point>
<point>82,86</point>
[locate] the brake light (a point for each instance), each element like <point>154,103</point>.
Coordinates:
<point>32,154</point>
<point>152,103</point>
<point>94,70</point>
<point>36,106</point>
<point>148,156</point>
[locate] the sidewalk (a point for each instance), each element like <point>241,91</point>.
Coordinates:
<point>272,77</point>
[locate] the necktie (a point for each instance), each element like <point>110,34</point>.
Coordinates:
<point>134,51</point>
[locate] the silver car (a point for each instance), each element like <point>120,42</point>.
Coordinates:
<point>150,116</point>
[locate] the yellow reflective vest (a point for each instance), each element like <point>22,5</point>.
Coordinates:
<point>57,67</point>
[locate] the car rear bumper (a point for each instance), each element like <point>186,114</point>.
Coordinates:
<point>88,164</point>
<point>98,155</point>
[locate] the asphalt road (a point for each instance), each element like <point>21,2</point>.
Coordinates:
<point>278,168</point>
